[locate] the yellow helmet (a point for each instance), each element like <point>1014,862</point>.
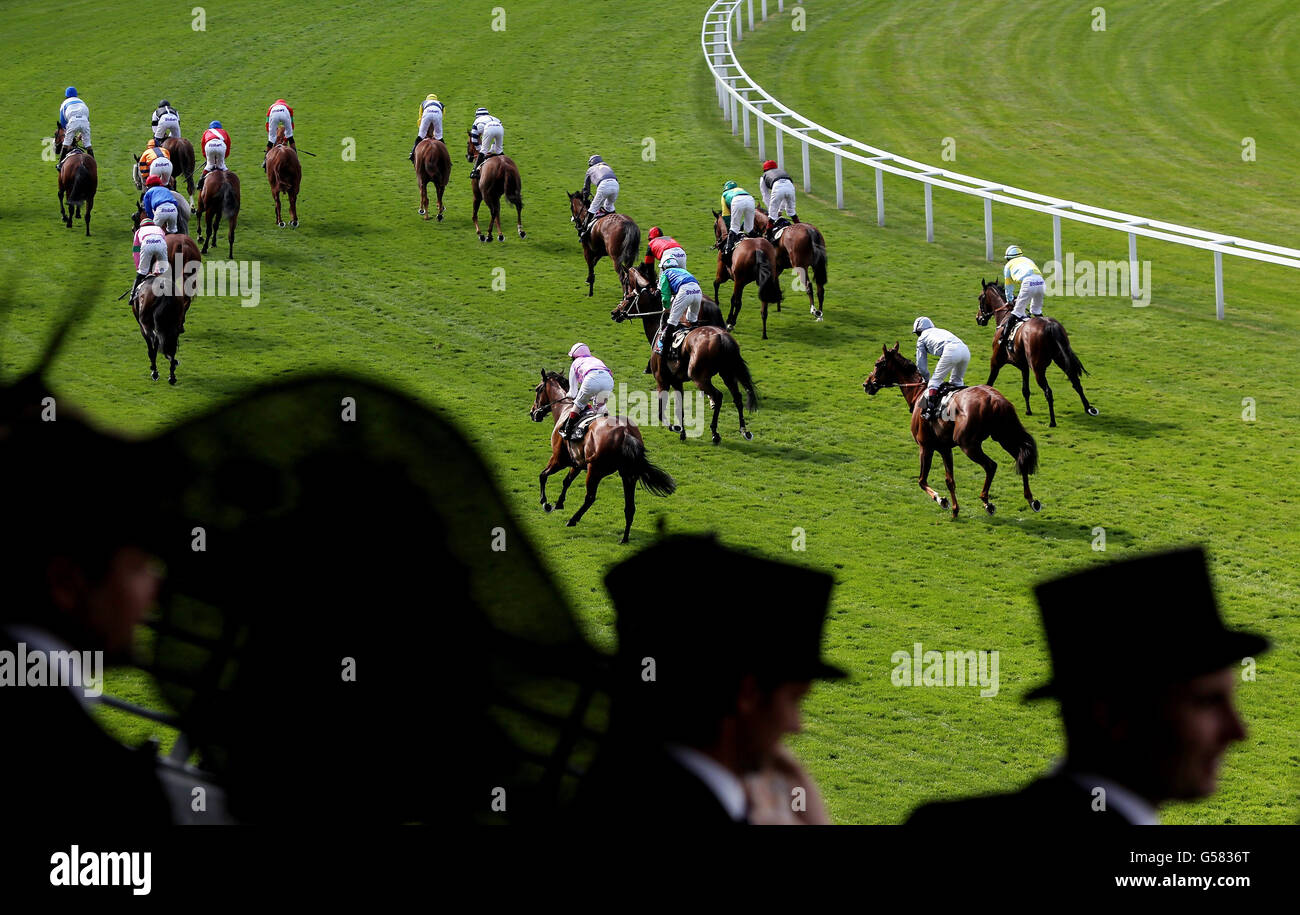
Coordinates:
<point>431,97</point>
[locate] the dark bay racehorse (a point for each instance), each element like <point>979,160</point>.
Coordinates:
<point>1039,342</point>
<point>161,311</point>
<point>181,153</point>
<point>801,248</point>
<point>218,199</point>
<point>705,352</point>
<point>78,181</point>
<point>432,163</point>
<point>978,413</point>
<point>611,445</point>
<point>753,260</point>
<point>498,177</point>
<point>643,301</point>
<point>284,173</point>
<point>615,235</point>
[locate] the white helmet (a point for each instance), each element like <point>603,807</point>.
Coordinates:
<point>921,324</point>
<point>594,160</point>
<point>670,261</point>
<point>578,349</point>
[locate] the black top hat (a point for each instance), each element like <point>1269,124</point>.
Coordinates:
<point>726,614</point>
<point>1147,620</point>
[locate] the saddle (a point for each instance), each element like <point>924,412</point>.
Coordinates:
<point>776,229</point>
<point>1009,340</point>
<point>674,347</point>
<point>579,430</point>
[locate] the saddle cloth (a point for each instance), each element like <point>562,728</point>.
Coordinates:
<point>947,409</point>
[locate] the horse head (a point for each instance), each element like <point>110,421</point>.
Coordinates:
<point>991,298</point>
<point>890,369</point>
<point>548,391</point>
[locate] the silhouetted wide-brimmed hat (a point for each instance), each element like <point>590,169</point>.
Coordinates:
<point>1141,621</point>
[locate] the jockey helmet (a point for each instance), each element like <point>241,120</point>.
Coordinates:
<point>769,165</point>
<point>281,101</point>
<point>153,181</point>
<point>70,92</point>
<point>654,232</point>
<point>921,324</point>
<point>215,125</point>
<point>431,97</point>
<point>729,185</point>
<point>578,349</point>
<point>164,104</point>
<point>479,112</point>
<point>594,160</point>
<point>1013,251</point>
<point>670,261</point>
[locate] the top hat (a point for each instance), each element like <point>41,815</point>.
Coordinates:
<point>1145,621</point>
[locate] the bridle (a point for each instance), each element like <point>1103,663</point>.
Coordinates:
<point>636,293</point>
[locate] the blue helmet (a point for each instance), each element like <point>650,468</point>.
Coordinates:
<point>71,92</point>
<point>215,125</point>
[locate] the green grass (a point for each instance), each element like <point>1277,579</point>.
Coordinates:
<point>1146,117</point>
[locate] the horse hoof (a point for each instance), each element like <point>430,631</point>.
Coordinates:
<point>481,238</point>
<point>293,224</point>
<point>673,427</point>
<point>624,539</point>
<point>500,237</point>
<point>548,507</point>
<point>747,435</point>
<point>153,375</point>
<point>1036,505</point>
<point>572,522</point>
<point>990,507</point>
<point>1093,411</point>
<point>523,234</point>
<point>171,380</point>
<point>730,328</point>
<point>280,224</point>
<point>1052,424</point>
<point>439,217</point>
<point>819,316</point>
<point>716,438</point>
<point>943,502</point>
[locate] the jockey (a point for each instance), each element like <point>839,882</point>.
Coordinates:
<point>216,146</point>
<point>278,115</point>
<point>166,122</point>
<point>680,293</point>
<point>590,382</point>
<point>661,246</point>
<point>151,152</point>
<point>430,122</point>
<point>162,167</point>
<point>74,118</point>
<point>488,135</point>
<point>600,178</point>
<point>953,355</point>
<point>159,205</point>
<point>1025,287</point>
<point>738,216</point>
<point>777,188</point>
<point>149,250</point>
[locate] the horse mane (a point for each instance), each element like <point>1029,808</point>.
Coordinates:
<point>557,377</point>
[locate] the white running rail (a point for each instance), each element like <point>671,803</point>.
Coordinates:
<point>739,97</point>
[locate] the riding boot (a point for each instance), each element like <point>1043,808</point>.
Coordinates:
<point>58,157</point>
<point>90,151</point>
<point>413,145</point>
<point>478,165</point>
<point>292,143</point>
<point>670,331</point>
<point>268,152</point>
<point>794,218</point>
<point>202,175</point>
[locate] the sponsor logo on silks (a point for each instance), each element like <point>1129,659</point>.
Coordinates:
<point>103,868</point>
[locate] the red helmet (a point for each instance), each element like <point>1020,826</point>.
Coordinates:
<point>768,165</point>
<point>654,232</point>
<point>153,181</point>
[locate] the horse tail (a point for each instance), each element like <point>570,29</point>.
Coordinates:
<point>627,255</point>
<point>735,366</point>
<point>1015,438</point>
<point>819,256</point>
<point>76,187</point>
<point>1069,361</point>
<point>652,478</point>
<point>769,287</point>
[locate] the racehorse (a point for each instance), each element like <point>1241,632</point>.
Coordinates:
<point>284,172</point>
<point>78,181</point>
<point>611,445</point>
<point>643,301</point>
<point>978,413</point>
<point>1039,342</point>
<point>615,235</point>
<point>432,163</point>
<point>705,351</point>
<point>753,260</point>
<point>182,155</point>
<point>218,197</point>
<point>801,248</point>
<point>160,309</point>
<point>498,176</point>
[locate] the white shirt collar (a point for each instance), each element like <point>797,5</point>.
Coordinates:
<point>1134,808</point>
<point>725,784</point>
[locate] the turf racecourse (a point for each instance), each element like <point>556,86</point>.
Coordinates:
<point>1141,117</point>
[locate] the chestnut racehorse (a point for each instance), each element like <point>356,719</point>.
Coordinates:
<point>78,181</point>
<point>978,413</point>
<point>160,310</point>
<point>498,176</point>
<point>284,172</point>
<point>181,153</point>
<point>615,235</point>
<point>218,198</point>
<point>611,445</point>
<point>801,248</point>
<point>753,260</point>
<point>432,163</point>
<point>1039,342</point>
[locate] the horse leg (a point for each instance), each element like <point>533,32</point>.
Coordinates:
<point>438,187</point>
<point>591,272</point>
<point>1024,386</point>
<point>594,476</point>
<point>496,218</point>
<point>231,232</point>
<point>734,388</point>
<point>89,204</point>
<point>552,466</point>
<point>736,301</point>
<point>629,501</point>
<point>278,220</point>
<point>293,208</point>
<point>976,453</point>
<point>424,197</point>
<point>807,285</point>
<point>1076,384</point>
<point>681,411</point>
<point>519,226</point>
<point>995,366</point>
<point>762,306</point>
<point>705,384</point>
<point>564,487</point>
<point>946,454</point>
<point>927,456</point>
<point>1040,375</point>
<point>63,217</point>
<point>152,345</point>
<point>478,200</point>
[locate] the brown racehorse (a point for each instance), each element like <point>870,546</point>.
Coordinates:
<point>432,163</point>
<point>78,181</point>
<point>643,301</point>
<point>800,248</point>
<point>611,445</point>
<point>706,351</point>
<point>182,156</point>
<point>160,309</point>
<point>753,260</point>
<point>284,172</point>
<point>498,176</point>
<point>979,413</point>
<point>1039,342</point>
<point>218,198</point>
<point>615,235</point>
